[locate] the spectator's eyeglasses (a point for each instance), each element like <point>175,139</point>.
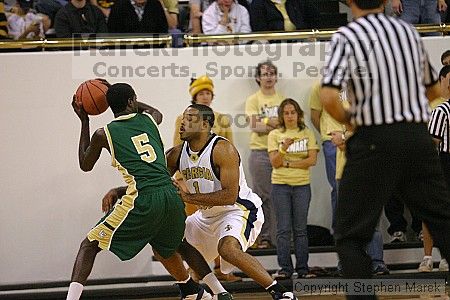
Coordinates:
<point>270,74</point>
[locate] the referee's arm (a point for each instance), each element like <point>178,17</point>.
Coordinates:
<point>331,103</point>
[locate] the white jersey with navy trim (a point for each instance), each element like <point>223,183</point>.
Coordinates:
<point>201,177</point>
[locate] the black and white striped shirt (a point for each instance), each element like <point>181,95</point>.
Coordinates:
<point>384,63</point>
<point>439,125</point>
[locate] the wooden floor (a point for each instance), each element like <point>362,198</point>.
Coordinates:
<point>264,296</point>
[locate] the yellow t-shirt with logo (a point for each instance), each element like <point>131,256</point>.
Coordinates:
<point>262,106</point>
<point>304,141</point>
<point>436,102</point>
<point>281,6</point>
<point>327,123</point>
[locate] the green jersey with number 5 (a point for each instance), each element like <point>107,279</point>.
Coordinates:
<point>137,151</point>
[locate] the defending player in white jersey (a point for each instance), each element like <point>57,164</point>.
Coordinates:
<point>230,215</point>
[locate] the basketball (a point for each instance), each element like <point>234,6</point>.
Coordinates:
<point>92,96</point>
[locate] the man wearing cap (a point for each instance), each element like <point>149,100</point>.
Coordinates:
<point>79,17</point>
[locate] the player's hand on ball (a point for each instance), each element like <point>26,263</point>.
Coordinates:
<point>78,109</point>
<point>109,200</point>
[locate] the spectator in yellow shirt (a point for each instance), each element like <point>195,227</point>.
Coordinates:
<point>292,150</point>
<point>325,124</point>
<point>261,109</point>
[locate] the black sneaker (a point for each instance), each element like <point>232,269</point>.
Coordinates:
<point>223,296</point>
<point>381,269</point>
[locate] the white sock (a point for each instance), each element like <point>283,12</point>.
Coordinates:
<point>75,290</point>
<point>427,257</point>
<point>273,283</point>
<point>213,283</point>
<point>185,281</point>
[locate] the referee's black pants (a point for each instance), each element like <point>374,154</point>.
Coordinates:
<point>380,160</point>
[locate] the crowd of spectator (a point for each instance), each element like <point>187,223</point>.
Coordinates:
<point>31,19</point>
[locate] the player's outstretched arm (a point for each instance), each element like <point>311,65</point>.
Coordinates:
<point>88,149</point>
<point>89,155</point>
<point>156,114</point>
<point>226,161</point>
<point>172,156</point>
<point>329,96</point>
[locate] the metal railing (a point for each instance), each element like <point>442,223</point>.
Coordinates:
<point>313,34</point>
<point>77,43</point>
<point>267,36</point>
<point>189,40</point>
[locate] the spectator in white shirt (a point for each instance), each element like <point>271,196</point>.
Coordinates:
<point>25,23</point>
<point>226,16</point>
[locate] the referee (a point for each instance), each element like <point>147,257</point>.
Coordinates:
<point>382,62</point>
<point>439,125</point>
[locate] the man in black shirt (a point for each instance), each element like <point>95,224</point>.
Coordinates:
<point>79,17</point>
<point>137,16</point>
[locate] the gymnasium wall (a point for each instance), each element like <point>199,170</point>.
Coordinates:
<point>48,203</point>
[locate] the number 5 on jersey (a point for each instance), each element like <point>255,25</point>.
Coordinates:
<point>141,143</point>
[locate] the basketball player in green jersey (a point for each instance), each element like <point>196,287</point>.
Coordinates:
<point>149,210</point>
